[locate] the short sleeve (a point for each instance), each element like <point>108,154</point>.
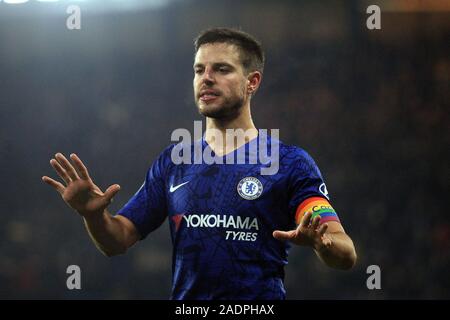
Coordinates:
<point>147,209</point>
<point>305,181</point>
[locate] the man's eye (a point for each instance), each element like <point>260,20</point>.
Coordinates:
<point>198,71</point>
<point>223,70</point>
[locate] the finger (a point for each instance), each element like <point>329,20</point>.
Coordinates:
<point>323,228</point>
<point>315,222</point>
<point>60,171</point>
<point>67,166</point>
<point>306,220</point>
<point>283,235</point>
<point>326,241</point>
<point>111,192</point>
<point>55,184</point>
<point>80,167</point>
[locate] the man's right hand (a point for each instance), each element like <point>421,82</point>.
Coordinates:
<point>79,191</point>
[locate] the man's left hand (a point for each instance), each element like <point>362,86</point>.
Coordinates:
<point>308,233</point>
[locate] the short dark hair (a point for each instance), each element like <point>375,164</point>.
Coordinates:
<point>251,52</point>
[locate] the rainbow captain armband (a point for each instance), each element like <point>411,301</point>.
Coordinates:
<point>319,207</point>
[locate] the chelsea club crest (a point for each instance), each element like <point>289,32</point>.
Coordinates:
<point>250,188</point>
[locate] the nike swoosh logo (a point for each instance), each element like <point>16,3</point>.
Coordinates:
<point>172,188</point>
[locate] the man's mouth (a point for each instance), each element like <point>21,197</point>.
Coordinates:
<point>208,95</point>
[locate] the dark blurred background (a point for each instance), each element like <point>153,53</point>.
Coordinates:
<point>371,107</point>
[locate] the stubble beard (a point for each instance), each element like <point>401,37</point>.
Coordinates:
<point>229,109</point>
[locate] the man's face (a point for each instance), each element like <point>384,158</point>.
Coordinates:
<point>220,83</point>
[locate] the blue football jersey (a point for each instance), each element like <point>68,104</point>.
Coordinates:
<point>222,217</point>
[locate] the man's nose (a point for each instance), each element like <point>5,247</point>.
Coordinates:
<point>208,77</point>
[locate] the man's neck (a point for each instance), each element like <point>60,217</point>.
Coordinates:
<point>229,141</point>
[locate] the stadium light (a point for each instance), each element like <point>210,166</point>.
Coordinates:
<point>24,1</point>
<point>15,1</point>
<point>105,6</point>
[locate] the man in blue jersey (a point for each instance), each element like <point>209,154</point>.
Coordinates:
<point>231,226</point>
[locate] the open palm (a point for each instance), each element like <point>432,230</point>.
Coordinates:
<point>79,191</point>
<point>308,233</point>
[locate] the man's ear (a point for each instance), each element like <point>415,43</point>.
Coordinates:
<point>254,80</point>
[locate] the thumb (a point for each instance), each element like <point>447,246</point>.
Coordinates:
<point>111,192</point>
<point>283,235</point>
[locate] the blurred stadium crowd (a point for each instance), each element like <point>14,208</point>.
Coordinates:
<point>371,107</point>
